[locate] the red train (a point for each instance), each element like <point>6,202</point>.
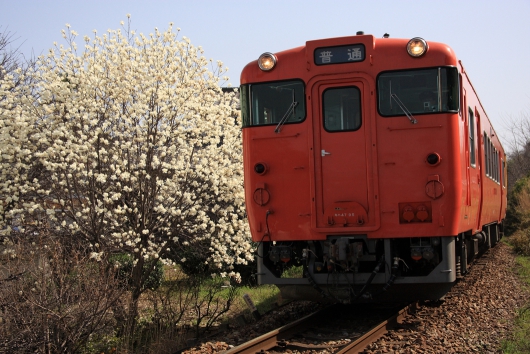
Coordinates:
<point>372,171</point>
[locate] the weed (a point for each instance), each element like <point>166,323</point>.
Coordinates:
<point>519,342</point>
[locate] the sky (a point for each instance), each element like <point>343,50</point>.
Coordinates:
<point>490,37</point>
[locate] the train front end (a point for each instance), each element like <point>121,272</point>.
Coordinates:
<point>353,171</point>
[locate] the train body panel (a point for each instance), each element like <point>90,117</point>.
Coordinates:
<point>361,159</point>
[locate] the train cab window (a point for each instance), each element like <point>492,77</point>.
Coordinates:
<point>341,109</point>
<point>281,102</point>
<point>421,91</point>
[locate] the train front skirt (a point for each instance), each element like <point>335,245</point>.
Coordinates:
<point>384,276</point>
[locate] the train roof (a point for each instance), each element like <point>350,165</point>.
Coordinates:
<point>376,57</point>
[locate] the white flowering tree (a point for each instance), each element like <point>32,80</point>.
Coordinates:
<point>9,58</point>
<point>127,142</point>
<point>12,61</point>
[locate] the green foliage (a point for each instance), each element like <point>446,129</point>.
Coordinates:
<point>191,260</point>
<point>124,264</point>
<point>518,227</point>
<point>524,270</point>
<point>518,215</point>
<point>101,345</point>
<point>520,240</point>
<point>293,272</point>
<point>265,297</point>
<point>248,273</point>
<point>519,342</point>
<point>196,263</point>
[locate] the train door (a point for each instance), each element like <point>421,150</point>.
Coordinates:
<point>479,167</point>
<point>474,169</point>
<point>466,149</point>
<point>342,169</point>
<point>502,174</point>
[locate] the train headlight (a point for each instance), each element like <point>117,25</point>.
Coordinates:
<point>267,61</point>
<point>416,47</point>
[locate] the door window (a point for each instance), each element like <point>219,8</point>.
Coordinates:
<point>341,109</point>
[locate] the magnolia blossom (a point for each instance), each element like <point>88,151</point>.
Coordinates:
<point>127,141</point>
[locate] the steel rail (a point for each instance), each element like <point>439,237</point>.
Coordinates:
<point>276,338</point>
<point>378,331</point>
<point>272,338</point>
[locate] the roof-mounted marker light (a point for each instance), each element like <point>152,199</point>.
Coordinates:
<point>267,61</point>
<point>416,47</point>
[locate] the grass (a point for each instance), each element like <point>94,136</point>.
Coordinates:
<point>264,297</point>
<point>165,300</point>
<point>519,342</point>
<point>294,272</point>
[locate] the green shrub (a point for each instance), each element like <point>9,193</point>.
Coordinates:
<point>518,216</point>
<point>248,273</point>
<point>124,262</point>
<point>520,240</point>
<point>518,211</point>
<point>196,263</point>
<point>519,340</point>
<point>195,260</point>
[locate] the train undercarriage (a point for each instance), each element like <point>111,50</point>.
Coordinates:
<point>355,268</point>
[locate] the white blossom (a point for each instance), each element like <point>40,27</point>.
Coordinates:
<point>136,142</point>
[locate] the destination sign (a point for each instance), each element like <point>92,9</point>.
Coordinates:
<point>338,55</point>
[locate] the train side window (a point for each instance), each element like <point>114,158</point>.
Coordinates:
<point>471,122</point>
<point>461,109</point>
<point>491,160</point>
<point>503,173</point>
<point>499,167</point>
<point>341,109</point>
<point>450,89</point>
<point>245,104</point>
<point>493,153</point>
<point>487,154</point>
<point>496,166</point>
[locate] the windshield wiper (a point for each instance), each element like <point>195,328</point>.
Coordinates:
<point>287,114</point>
<point>403,108</point>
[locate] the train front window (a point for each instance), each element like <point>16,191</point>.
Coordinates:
<point>273,103</point>
<point>421,91</point>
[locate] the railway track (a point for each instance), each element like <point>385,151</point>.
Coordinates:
<point>347,328</point>
<point>337,329</point>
